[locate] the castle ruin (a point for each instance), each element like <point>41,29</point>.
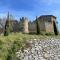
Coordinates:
<point>45,23</point>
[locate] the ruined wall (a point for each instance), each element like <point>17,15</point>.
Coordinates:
<point>49,27</point>
<point>15,25</point>
<point>41,24</point>
<point>49,24</point>
<point>32,27</point>
<point>46,23</point>
<point>25,26</point>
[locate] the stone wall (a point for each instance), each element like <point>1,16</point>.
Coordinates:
<point>41,24</point>
<point>46,23</point>
<point>23,25</point>
<point>49,27</point>
<point>32,27</point>
<point>14,25</point>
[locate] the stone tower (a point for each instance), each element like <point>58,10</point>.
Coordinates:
<point>24,25</point>
<point>46,23</point>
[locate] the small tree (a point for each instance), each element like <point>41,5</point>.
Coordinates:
<point>7,30</point>
<point>37,27</point>
<point>55,28</point>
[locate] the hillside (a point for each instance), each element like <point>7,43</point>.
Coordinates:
<point>15,42</point>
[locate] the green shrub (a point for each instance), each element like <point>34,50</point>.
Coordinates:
<point>49,34</point>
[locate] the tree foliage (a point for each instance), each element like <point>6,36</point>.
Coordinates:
<point>37,27</point>
<point>6,32</point>
<point>7,26</point>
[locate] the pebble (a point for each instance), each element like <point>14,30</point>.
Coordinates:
<point>48,49</point>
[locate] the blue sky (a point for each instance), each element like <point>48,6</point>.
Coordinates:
<point>30,8</point>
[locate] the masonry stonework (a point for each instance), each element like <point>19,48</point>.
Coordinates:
<point>32,27</point>
<point>24,25</point>
<point>46,23</point>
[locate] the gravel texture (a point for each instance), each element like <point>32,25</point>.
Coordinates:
<point>40,49</point>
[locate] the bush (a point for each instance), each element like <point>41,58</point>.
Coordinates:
<point>49,34</point>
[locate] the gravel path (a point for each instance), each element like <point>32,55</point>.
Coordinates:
<point>44,49</point>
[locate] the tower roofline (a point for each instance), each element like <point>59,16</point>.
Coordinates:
<point>47,16</point>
